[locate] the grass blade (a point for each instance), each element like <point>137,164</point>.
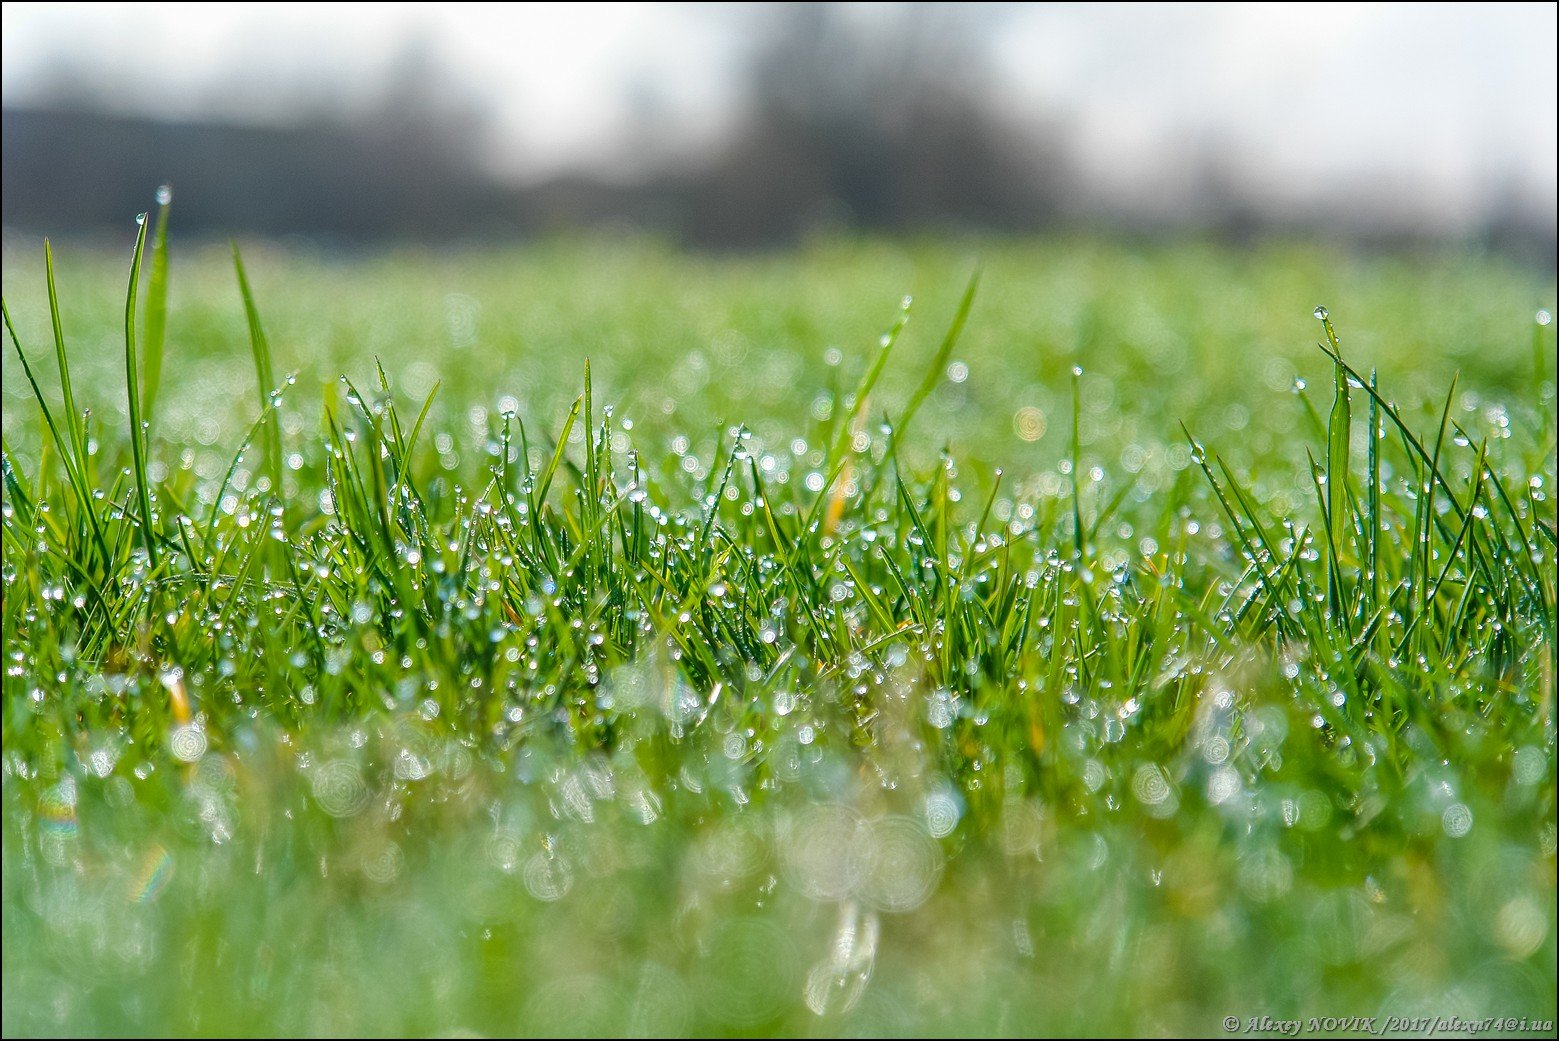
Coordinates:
<point>1339,431</point>
<point>156,307</point>
<point>939,363</point>
<point>77,478</point>
<point>133,390</point>
<point>265,380</point>
<point>73,420</point>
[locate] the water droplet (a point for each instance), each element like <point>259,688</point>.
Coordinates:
<point>1150,785</point>
<point>339,789</point>
<point>383,863</point>
<point>1457,820</point>
<point>188,743</point>
<point>548,876</point>
<point>164,194</point>
<point>1321,313</point>
<point>941,810</point>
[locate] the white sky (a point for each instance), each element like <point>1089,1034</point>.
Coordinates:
<point>1430,105</point>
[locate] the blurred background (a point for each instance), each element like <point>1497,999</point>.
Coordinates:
<point>757,125</point>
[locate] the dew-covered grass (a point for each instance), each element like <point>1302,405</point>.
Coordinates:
<point>596,639</point>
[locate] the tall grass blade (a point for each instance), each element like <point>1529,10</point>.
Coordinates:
<point>73,418</point>
<point>1339,430</point>
<point>938,367</point>
<point>863,390</point>
<point>1078,535</point>
<point>133,391</point>
<point>156,307</point>
<point>61,444</point>
<point>265,380</point>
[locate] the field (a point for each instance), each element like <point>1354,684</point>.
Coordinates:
<point>593,638</point>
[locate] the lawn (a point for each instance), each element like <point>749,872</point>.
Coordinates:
<point>882,637</point>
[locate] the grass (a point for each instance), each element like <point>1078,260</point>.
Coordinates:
<point>1069,669</point>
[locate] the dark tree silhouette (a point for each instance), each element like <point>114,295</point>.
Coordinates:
<point>886,123</point>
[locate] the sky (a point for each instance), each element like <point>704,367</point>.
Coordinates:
<point>1430,107</point>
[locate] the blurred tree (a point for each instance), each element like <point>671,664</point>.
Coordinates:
<point>407,169</point>
<point>882,118</point>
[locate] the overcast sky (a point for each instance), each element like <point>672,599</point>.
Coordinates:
<point>1432,105</point>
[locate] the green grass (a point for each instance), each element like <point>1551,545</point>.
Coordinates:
<point>1035,657</point>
